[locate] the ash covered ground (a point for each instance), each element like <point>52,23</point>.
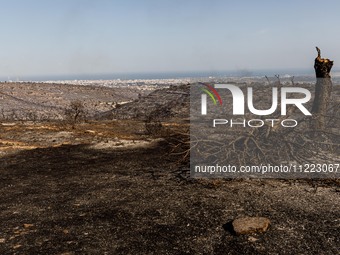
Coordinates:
<point>109,184</point>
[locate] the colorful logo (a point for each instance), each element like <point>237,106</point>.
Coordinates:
<point>211,92</point>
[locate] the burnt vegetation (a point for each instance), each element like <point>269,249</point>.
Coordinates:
<point>316,138</point>
<point>75,113</point>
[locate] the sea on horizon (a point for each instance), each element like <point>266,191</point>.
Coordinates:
<point>299,74</point>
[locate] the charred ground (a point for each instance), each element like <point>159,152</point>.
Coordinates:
<point>110,187</point>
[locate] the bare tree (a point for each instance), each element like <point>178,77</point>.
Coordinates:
<point>75,112</point>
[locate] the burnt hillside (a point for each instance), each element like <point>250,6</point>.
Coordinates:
<point>162,104</point>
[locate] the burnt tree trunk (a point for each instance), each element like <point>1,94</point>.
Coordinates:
<point>323,90</point>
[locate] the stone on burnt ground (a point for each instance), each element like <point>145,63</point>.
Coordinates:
<point>248,225</point>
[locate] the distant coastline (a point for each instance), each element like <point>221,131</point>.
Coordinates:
<point>284,73</point>
<point>160,75</point>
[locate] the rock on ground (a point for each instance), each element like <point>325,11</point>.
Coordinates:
<point>248,225</point>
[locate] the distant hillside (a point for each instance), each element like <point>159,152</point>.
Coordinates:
<point>162,104</point>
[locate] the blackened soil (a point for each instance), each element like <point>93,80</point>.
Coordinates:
<point>74,200</point>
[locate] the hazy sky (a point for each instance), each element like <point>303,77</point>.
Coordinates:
<point>52,37</point>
